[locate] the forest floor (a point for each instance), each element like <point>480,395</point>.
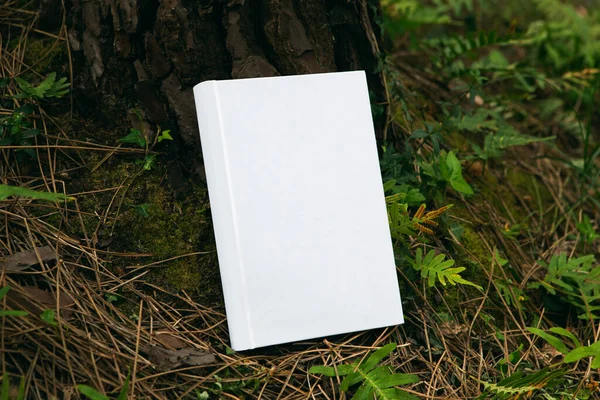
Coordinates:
<point>114,284</point>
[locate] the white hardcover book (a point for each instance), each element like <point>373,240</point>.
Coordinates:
<point>298,207</point>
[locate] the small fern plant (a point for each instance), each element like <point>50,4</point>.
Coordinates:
<point>592,351</point>
<point>435,268</point>
<point>403,224</point>
<point>519,384</point>
<point>378,381</point>
<point>49,87</point>
<point>577,280</point>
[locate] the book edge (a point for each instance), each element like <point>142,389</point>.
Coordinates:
<point>214,149</point>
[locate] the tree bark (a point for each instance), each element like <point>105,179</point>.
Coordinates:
<point>148,54</point>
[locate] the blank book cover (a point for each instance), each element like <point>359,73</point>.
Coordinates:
<point>298,207</point>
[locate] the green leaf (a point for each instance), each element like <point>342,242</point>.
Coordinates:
<point>5,389</point>
<point>397,380</point>
<point>135,137</point>
<point>124,389</point>
<point>375,380</point>
<point>50,87</point>
<point>6,191</point>
<point>460,185</point>
<point>414,197</point>
<point>566,333</point>
<point>388,185</point>
<point>350,380</point>
<point>26,109</point>
<point>433,268</point>
<point>4,291</point>
<point>587,230</point>
<point>519,383</point>
<point>576,280</point>
<point>458,279</point>
<point>149,161</point>
<point>21,392</point>
<point>376,357</point>
<point>142,209</point>
<point>397,394</point>
<point>552,340</point>
<point>165,135</point>
<point>419,134</point>
<point>579,353</point>
<point>379,373</point>
<point>323,370</point>
<point>112,298</point>
<point>456,179</point>
<point>202,395</point>
<point>48,316</point>
<point>583,352</point>
<point>364,392</point>
<point>91,393</point>
<point>13,313</point>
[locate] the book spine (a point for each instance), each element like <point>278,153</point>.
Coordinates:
<point>221,195</point>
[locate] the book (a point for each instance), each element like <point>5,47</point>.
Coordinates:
<point>298,207</point>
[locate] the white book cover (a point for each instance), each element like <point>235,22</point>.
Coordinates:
<point>298,207</point>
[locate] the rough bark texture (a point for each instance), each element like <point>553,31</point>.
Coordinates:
<point>148,54</point>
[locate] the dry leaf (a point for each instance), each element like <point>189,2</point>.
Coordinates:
<point>169,340</point>
<point>550,355</point>
<point>476,169</point>
<point>35,300</point>
<point>452,328</point>
<point>165,359</point>
<point>25,259</point>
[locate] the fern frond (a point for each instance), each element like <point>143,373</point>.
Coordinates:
<point>520,384</point>
<point>566,23</point>
<point>456,46</point>
<point>376,381</point>
<point>395,198</point>
<point>420,211</point>
<point>434,268</point>
<point>50,87</point>
<point>419,219</point>
<point>577,280</point>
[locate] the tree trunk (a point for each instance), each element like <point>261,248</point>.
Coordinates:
<point>148,54</point>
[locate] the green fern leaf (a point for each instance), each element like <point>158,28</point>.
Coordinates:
<point>585,351</point>
<point>577,353</point>
<point>555,342</point>
<point>378,381</point>
<point>399,220</point>
<point>49,87</point>
<point>576,280</point>
<point>519,383</point>
<point>496,143</point>
<point>435,268</point>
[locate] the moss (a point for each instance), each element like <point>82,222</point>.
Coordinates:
<point>183,275</point>
<point>470,238</point>
<point>473,252</point>
<point>171,228</point>
<point>501,197</point>
<point>46,55</point>
<point>530,188</point>
<point>154,220</point>
<point>476,246</point>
